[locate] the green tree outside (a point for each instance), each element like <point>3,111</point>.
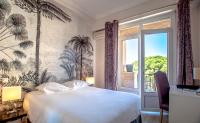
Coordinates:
<point>152,64</point>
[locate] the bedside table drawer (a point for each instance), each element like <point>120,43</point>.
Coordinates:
<point>11,111</point>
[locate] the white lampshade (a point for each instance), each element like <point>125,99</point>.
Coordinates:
<point>11,93</point>
<point>196,73</point>
<point>90,80</point>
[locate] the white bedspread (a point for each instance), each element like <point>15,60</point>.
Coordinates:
<point>86,105</point>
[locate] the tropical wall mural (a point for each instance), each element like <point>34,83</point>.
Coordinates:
<point>48,10</point>
<point>34,36</point>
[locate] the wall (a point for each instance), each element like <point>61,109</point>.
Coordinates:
<point>195,29</point>
<point>54,36</point>
<point>199,28</point>
<point>99,58</point>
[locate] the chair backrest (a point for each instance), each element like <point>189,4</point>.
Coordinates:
<point>163,87</point>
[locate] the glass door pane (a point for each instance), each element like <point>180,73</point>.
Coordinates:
<point>130,64</point>
<point>155,58</point>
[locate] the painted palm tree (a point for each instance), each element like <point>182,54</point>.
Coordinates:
<point>5,9</point>
<point>82,45</point>
<point>14,26</point>
<point>70,62</point>
<point>69,69</point>
<point>31,76</point>
<point>4,66</point>
<point>48,10</point>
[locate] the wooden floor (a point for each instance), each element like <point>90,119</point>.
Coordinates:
<point>153,117</point>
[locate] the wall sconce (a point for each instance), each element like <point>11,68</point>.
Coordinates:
<point>90,80</point>
<point>11,93</point>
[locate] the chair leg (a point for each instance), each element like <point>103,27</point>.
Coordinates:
<point>161,115</point>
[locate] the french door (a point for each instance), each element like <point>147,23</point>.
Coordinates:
<point>147,47</point>
<point>154,56</point>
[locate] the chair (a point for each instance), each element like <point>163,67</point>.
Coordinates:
<point>163,88</point>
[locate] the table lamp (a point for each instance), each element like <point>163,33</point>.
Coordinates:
<point>11,93</point>
<point>90,80</point>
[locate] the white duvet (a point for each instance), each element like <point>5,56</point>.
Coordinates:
<point>85,105</point>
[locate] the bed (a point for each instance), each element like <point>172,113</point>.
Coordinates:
<point>85,105</point>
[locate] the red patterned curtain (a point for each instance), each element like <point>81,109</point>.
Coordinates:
<point>185,59</point>
<point>111,55</point>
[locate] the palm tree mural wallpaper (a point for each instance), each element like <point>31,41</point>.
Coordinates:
<point>17,55</point>
<point>14,26</point>
<point>48,10</point>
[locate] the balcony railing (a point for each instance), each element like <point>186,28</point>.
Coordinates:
<point>149,84</point>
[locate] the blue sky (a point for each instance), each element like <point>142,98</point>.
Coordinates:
<point>155,44</point>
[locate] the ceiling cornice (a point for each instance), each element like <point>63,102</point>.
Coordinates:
<point>118,9</point>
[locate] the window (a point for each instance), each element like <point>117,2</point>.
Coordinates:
<point>129,32</point>
<point>155,54</point>
<point>129,72</point>
<point>130,66</point>
<point>166,23</point>
<point>155,58</point>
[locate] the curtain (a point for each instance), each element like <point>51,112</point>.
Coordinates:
<point>185,60</point>
<point>111,54</point>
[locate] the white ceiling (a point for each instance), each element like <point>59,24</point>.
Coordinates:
<point>102,8</point>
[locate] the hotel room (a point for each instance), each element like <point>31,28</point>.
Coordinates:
<point>99,61</point>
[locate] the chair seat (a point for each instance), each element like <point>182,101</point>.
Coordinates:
<point>165,107</point>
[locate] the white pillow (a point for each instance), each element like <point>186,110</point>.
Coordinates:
<point>52,90</point>
<point>76,84</point>
<point>69,84</point>
<point>52,87</point>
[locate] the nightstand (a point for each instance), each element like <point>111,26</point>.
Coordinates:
<point>11,111</point>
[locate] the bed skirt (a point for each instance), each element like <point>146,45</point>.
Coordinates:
<point>138,120</point>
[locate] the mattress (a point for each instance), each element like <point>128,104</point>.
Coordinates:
<point>85,105</point>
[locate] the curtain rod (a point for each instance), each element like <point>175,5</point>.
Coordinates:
<point>144,13</point>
